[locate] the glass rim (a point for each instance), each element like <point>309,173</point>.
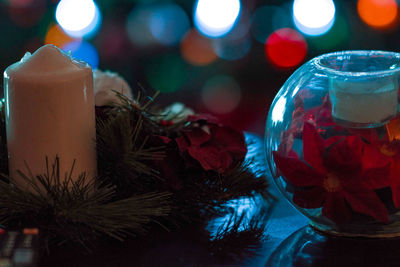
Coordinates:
<point>355,74</point>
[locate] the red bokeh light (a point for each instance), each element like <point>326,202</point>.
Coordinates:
<point>26,13</point>
<point>286,48</point>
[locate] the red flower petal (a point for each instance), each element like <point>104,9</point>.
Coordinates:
<point>182,143</point>
<point>322,114</point>
<point>310,198</point>
<point>332,141</point>
<point>370,135</point>
<point>293,154</point>
<point>313,146</point>
<point>336,208</point>
<point>297,172</point>
<point>229,138</point>
<point>197,136</point>
<point>346,155</point>
<point>377,178</point>
<point>365,201</point>
<point>210,158</point>
<point>395,182</point>
<point>373,158</point>
<point>164,139</point>
<point>376,168</point>
<point>166,123</point>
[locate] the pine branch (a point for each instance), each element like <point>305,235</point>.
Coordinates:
<point>239,237</point>
<point>124,155</point>
<point>244,181</point>
<point>206,192</point>
<point>77,209</point>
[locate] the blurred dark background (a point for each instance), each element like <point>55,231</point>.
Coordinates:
<point>225,57</point>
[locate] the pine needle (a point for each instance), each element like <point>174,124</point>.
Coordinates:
<point>77,208</point>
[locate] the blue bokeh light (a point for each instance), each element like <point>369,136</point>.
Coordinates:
<point>216,18</point>
<point>314,17</point>
<point>231,49</point>
<point>138,25</point>
<point>83,51</point>
<point>78,18</point>
<point>169,23</point>
<point>267,19</point>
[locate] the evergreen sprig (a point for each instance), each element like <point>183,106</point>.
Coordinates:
<point>238,237</point>
<point>206,192</point>
<point>76,209</point>
<point>123,152</point>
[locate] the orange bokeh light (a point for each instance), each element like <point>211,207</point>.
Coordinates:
<point>197,49</point>
<point>378,13</point>
<point>56,36</point>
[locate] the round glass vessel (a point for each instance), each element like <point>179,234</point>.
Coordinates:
<point>333,142</point>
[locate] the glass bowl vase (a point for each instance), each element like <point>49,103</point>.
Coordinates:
<point>333,142</point>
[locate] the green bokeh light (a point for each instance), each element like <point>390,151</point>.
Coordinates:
<point>338,36</point>
<point>166,73</point>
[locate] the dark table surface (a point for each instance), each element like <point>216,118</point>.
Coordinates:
<point>181,248</point>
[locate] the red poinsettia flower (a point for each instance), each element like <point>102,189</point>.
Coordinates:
<point>395,173</point>
<point>334,177</point>
<point>319,116</point>
<point>215,147</point>
<point>388,152</point>
<point>390,147</point>
<point>384,149</point>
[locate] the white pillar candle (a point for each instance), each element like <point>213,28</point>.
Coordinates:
<point>364,102</point>
<point>50,112</point>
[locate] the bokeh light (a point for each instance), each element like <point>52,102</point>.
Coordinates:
<point>112,41</point>
<point>216,18</point>
<point>221,94</point>
<point>197,49</point>
<point>93,27</point>
<point>169,23</point>
<point>78,17</point>
<point>231,49</point>
<point>337,37</point>
<point>267,19</point>
<point>166,73</point>
<point>241,28</point>
<point>20,3</point>
<point>286,48</point>
<point>138,25</point>
<point>378,13</point>
<point>313,17</point>
<point>27,14</point>
<point>84,51</point>
<point>56,36</point>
